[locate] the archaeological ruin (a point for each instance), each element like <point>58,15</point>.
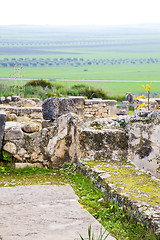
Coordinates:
<point>114,150</point>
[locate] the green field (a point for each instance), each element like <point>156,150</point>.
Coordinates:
<point>124,72</point>
<point>83,53</point>
<point>119,88</point>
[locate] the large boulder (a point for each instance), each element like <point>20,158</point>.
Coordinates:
<point>2,126</point>
<point>55,107</point>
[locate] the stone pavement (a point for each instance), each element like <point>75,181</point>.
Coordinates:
<point>43,212</point>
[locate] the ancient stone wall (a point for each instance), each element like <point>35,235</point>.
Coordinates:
<point>100,108</point>
<point>55,144</point>
<point>52,141</point>
<point>144,145</point>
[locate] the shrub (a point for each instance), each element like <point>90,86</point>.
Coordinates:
<point>89,92</point>
<point>41,82</point>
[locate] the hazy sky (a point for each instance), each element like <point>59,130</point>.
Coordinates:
<point>73,12</point>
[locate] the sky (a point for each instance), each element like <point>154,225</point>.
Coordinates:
<point>79,12</point>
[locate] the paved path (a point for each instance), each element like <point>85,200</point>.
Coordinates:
<point>41,212</point>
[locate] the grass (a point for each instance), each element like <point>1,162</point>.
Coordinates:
<point>119,88</point>
<point>112,89</point>
<point>107,213</point>
<point>101,72</point>
<point>102,235</point>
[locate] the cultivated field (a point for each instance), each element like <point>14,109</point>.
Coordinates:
<point>83,53</point>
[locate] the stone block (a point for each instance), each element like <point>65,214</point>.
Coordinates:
<point>26,103</point>
<point>2,126</point>
<point>13,133</point>
<point>8,99</point>
<point>11,117</point>
<point>49,123</point>
<point>10,147</point>
<point>30,128</point>
<point>2,99</point>
<point>23,165</point>
<point>55,107</point>
<point>78,101</point>
<point>15,98</point>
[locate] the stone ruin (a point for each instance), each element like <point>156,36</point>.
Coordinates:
<point>74,129</point>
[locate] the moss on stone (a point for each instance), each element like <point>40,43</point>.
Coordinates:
<point>129,181</point>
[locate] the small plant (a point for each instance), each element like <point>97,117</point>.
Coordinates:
<point>147,88</point>
<point>68,168</point>
<point>102,235</point>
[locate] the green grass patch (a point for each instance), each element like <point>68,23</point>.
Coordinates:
<point>117,88</point>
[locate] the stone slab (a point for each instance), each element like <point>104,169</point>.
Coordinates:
<point>43,213</point>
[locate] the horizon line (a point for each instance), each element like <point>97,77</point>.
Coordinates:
<point>79,25</point>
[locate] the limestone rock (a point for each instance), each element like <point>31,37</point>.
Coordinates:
<point>8,99</point>
<point>105,143</point>
<point>15,98</point>
<point>2,99</point>
<point>30,128</point>
<point>12,124</point>
<point>13,133</point>
<point>11,117</point>
<point>23,165</point>
<point>10,147</point>
<point>2,126</point>
<point>55,107</point>
<point>122,112</point>
<point>26,103</point>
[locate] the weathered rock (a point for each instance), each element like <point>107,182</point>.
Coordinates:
<point>144,145</point>
<point>49,123</point>
<point>2,126</point>
<point>102,144</point>
<point>37,101</point>
<point>11,117</point>
<point>30,128</point>
<point>10,147</point>
<point>13,133</point>
<point>15,98</point>
<point>12,124</point>
<point>8,99</point>
<point>55,107</point>
<point>52,146</point>
<point>26,103</point>
<point>122,112</point>
<point>23,165</point>
<point>79,103</point>
<point>2,99</point>
<point>99,108</point>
